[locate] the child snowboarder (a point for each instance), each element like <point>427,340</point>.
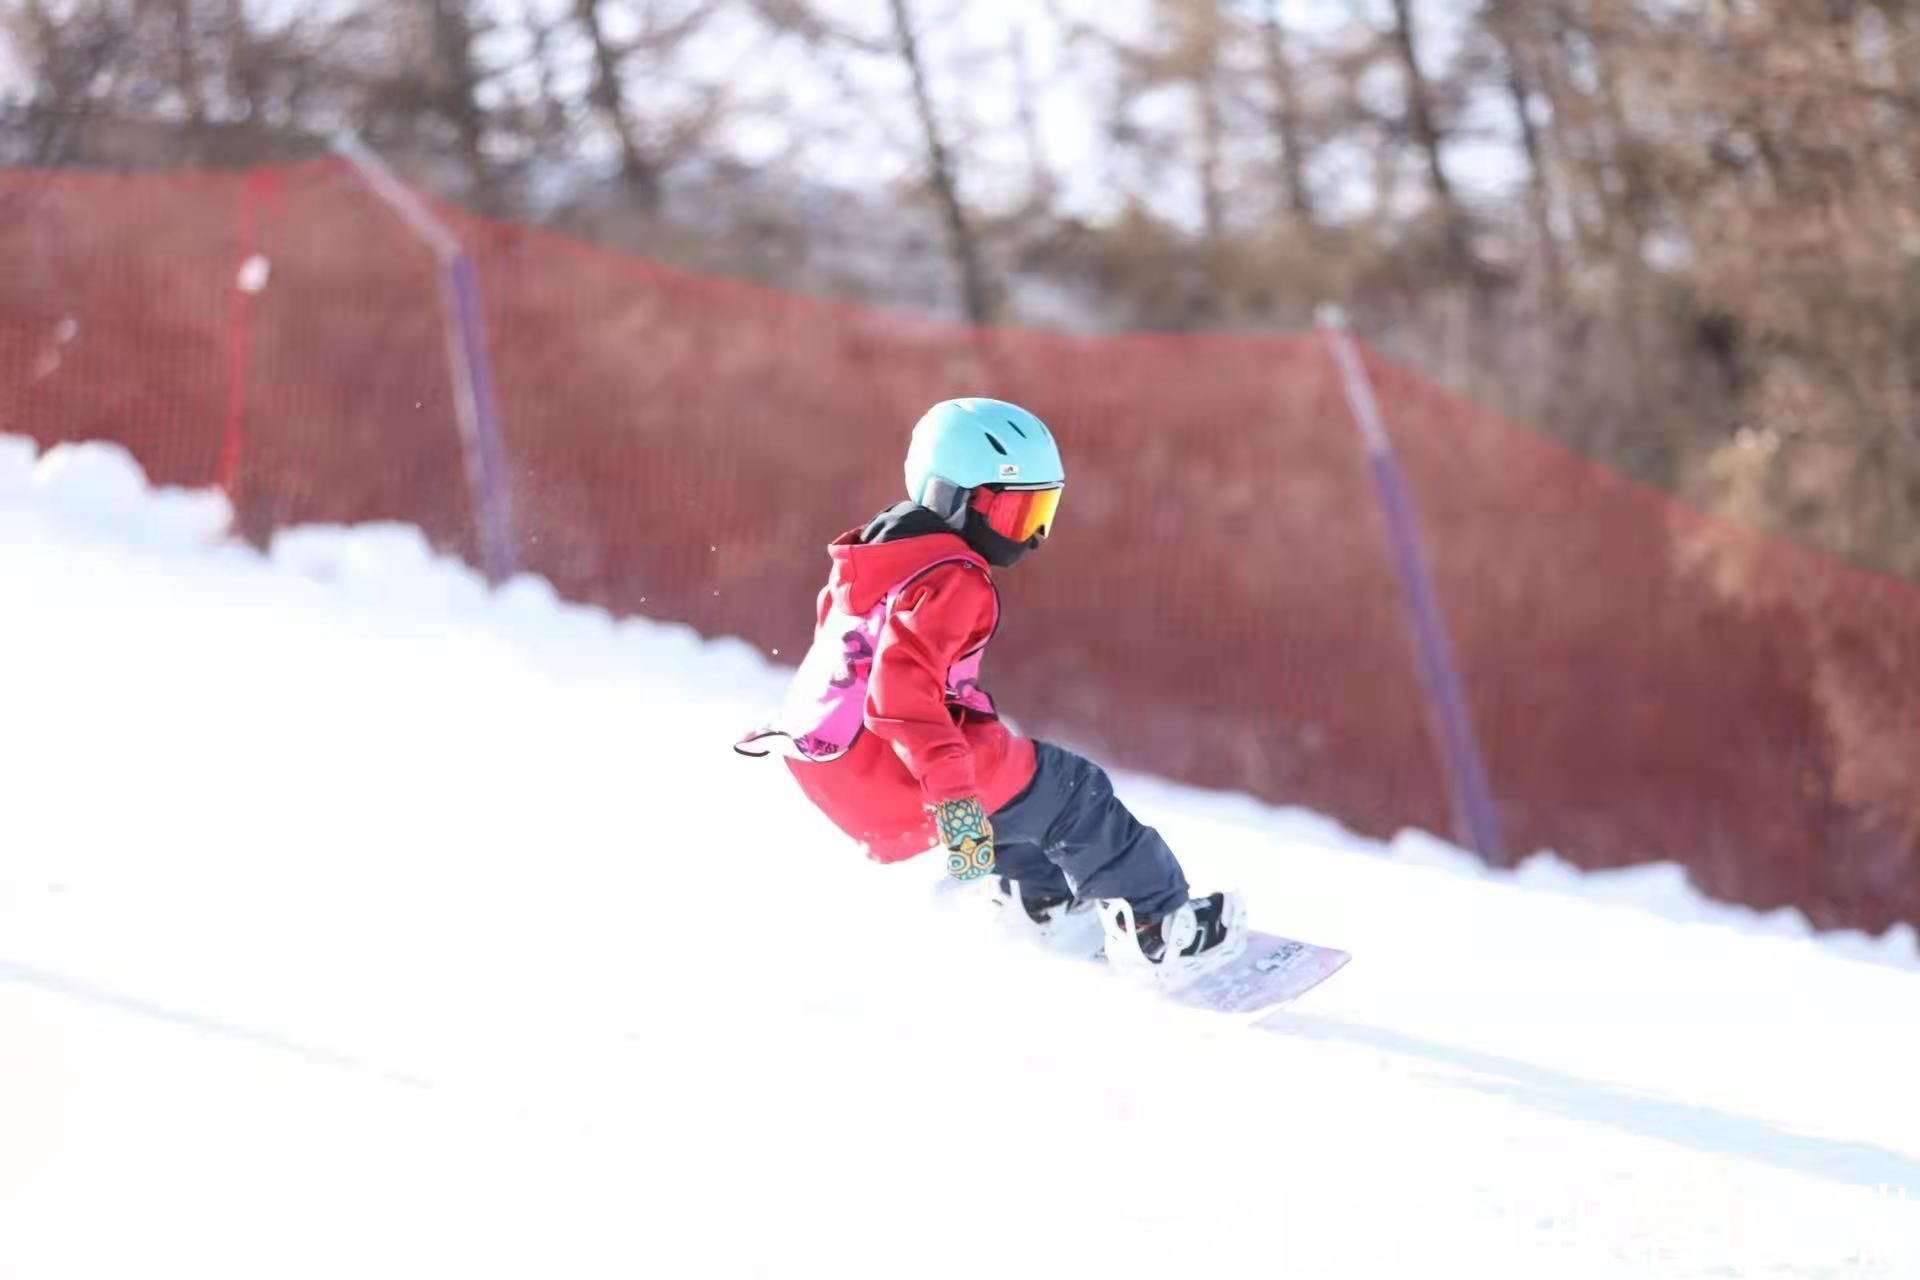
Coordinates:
<point>888,732</point>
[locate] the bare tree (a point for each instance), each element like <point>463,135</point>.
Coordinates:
<point>457,77</point>
<point>1284,114</point>
<point>1425,128</point>
<point>938,160</point>
<point>648,148</point>
<point>1511,24</point>
<point>74,61</point>
<point>546,116</point>
<point>942,174</point>
<point>609,98</point>
<point>1185,51</point>
<point>186,68</point>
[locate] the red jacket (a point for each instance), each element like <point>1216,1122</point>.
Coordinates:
<point>916,749</point>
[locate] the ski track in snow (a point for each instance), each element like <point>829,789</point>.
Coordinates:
<point>355,920</point>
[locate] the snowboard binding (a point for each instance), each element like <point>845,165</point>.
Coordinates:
<point>1055,922</point>
<point>1196,938</point>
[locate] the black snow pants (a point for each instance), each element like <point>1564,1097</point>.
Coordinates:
<point>1068,833</point>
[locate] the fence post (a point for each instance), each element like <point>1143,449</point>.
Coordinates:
<point>1476,819</point>
<point>475,409</point>
<point>249,277</point>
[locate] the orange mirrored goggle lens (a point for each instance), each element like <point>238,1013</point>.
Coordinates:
<point>1019,514</point>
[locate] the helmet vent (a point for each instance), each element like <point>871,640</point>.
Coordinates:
<point>1016,428</point>
<point>997,446</point>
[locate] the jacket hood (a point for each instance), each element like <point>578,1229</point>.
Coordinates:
<point>901,541</point>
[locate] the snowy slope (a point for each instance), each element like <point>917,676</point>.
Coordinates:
<point>357,922</point>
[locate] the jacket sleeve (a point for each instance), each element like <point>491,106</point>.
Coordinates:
<point>939,618</point>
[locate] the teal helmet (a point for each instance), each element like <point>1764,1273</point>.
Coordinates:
<point>961,447</point>
<point>974,442</point>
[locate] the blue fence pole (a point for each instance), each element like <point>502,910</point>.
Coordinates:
<point>475,408</point>
<point>489,466</point>
<point>1475,816</point>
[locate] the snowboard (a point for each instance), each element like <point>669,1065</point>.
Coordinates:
<point>1269,973</point>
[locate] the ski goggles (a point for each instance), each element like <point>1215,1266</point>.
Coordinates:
<point>1018,514</point>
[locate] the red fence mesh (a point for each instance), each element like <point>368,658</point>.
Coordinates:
<point>1219,605</point>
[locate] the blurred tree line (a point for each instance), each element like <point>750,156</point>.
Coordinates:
<point>1682,235</point>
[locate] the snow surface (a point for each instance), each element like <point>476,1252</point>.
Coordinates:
<point>356,921</point>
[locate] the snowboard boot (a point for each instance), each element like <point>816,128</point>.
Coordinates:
<point>1057,921</point>
<point>1195,938</point>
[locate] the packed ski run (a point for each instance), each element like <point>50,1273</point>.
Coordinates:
<point>357,920</point>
